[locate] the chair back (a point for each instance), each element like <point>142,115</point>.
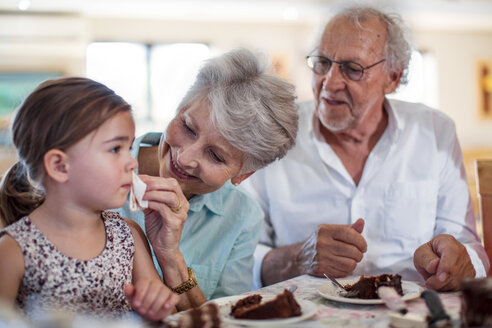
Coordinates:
<point>484,188</point>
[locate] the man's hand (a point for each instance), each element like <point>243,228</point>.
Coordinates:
<point>333,249</point>
<point>443,262</point>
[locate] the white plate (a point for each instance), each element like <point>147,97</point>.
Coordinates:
<point>308,309</point>
<point>410,291</point>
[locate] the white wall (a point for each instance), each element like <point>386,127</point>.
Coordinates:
<point>43,43</point>
<point>47,43</point>
<point>457,54</point>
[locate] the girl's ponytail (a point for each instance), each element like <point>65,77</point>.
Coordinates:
<point>18,196</point>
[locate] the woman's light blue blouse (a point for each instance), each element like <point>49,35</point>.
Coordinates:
<point>219,235</point>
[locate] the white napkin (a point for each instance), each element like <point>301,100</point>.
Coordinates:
<point>136,194</point>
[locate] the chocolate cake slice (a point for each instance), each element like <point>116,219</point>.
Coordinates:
<point>367,287</point>
<point>245,303</point>
<point>282,306</point>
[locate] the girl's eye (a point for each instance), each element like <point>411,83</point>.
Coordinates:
<point>115,149</point>
<point>216,157</point>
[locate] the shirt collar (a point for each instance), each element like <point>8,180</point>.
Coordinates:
<point>150,139</point>
<point>395,122</point>
<point>213,201</point>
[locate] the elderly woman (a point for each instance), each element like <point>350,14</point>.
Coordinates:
<point>235,119</point>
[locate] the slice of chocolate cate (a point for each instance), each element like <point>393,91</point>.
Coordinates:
<point>282,306</point>
<point>367,287</point>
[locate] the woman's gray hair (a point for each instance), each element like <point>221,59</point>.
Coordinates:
<point>398,46</point>
<point>253,110</point>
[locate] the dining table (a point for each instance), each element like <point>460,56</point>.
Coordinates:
<point>334,311</point>
<point>320,308</point>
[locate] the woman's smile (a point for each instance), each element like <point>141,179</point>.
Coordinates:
<point>177,170</point>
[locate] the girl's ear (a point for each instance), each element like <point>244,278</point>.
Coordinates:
<point>56,165</point>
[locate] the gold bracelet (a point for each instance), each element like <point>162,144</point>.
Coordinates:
<point>187,285</point>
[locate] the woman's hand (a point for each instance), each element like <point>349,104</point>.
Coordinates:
<point>166,214</point>
<point>164,221</point>
<point>151,299</point>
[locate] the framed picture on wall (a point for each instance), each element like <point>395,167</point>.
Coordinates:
<point>279,65</point>
<point>485,88</point>
<point>14,87</point>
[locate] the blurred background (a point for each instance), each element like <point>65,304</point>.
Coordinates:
<point>148,51</point>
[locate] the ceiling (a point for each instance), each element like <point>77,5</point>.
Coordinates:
<point>459,14</point>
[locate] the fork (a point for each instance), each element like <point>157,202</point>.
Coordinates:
<point>342,292</point>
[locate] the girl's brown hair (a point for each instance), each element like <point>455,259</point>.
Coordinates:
<point>56,115</point>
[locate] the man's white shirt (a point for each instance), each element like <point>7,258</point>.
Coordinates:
<point>413,188</point>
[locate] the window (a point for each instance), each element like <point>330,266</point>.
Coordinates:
<point>422,84</point>
<point>173,70</point>
<point>152,78</point>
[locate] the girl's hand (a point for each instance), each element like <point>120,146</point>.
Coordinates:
<point>151,299</point>
<point>166,214</point>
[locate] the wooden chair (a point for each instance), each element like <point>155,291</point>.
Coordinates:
<point>484,188</point>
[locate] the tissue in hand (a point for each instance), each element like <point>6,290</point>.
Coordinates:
<point>136,194</point>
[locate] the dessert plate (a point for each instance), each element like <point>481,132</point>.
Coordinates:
<point>410,291</point>
<point>224,304</point>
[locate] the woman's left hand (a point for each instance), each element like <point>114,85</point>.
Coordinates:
<point>165,215</point>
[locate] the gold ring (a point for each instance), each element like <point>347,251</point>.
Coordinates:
<point>177,208</point>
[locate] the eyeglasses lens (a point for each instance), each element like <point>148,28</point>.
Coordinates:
<point>352,70</point>
<point>321,66</point>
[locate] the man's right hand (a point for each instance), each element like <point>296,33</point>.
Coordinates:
<point>333,249</point>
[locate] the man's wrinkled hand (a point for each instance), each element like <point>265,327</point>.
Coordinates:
<point>443,262</point>
<point>333,249</point>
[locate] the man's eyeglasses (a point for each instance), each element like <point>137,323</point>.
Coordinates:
<point>351,70</point>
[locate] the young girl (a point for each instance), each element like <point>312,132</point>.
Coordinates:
<point>61,249</point>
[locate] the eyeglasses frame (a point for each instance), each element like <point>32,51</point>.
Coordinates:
<point>342,64</point>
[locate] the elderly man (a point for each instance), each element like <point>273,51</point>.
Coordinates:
<point>359,155</point>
